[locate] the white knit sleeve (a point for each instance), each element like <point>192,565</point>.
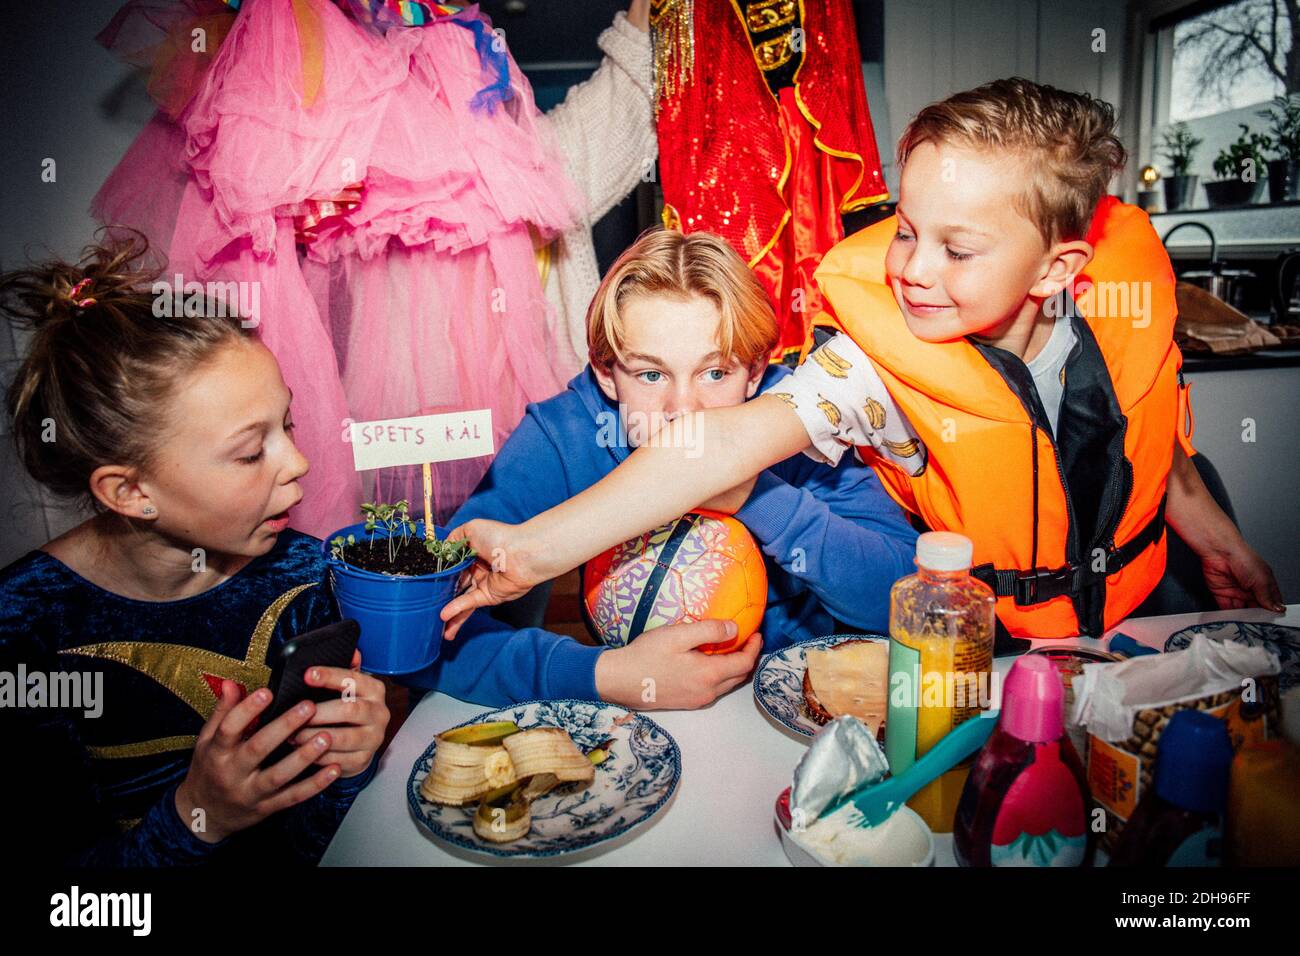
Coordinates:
<point>605,126</point>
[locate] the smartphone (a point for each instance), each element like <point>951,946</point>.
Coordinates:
<point>329,646</point>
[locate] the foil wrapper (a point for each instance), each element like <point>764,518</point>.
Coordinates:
<point>844,756</point>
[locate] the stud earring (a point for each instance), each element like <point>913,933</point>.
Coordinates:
<point>149,511</point>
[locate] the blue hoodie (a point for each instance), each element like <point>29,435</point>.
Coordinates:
<point>834,543</point>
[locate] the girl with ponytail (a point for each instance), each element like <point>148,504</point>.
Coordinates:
<point>162,608</point>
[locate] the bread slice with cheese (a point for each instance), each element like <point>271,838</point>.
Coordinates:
<point>848,678</point>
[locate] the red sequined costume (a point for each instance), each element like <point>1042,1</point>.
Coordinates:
<point>765,137</point>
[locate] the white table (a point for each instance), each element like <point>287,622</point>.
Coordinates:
<point>735,760</point>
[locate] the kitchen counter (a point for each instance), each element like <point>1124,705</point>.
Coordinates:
<point>1288,357</point>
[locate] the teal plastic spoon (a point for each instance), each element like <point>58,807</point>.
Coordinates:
<point>877,802</point>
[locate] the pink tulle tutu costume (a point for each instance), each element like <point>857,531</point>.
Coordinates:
<point>384,187</point>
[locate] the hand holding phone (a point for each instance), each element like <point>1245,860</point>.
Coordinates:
<point>229,785</point>
<point>351,705</point>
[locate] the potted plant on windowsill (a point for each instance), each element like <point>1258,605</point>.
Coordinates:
<point>1284,170</point>
<point>1178,146</point>
<point>1239,167</point>
<point>393,579</point>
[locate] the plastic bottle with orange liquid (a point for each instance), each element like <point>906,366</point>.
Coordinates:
<point>940,664</point>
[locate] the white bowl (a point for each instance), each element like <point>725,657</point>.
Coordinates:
<point>800,855</point>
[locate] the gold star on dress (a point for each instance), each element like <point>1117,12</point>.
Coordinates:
<point>193,674</point>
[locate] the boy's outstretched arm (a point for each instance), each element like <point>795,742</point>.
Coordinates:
<point>1235,573</point>
<point>690,460</point>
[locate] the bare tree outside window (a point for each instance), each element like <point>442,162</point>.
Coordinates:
<point>1235,56</point>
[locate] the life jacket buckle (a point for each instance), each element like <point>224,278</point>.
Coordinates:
<point>1031,587</point>
<point>1040,584</point>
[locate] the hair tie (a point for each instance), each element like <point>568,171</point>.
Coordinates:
<point>76,291</point>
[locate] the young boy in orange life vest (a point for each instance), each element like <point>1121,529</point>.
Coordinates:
<point>1006,365</point>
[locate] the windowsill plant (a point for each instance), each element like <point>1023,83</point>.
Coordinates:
<point>1241,170</point>
<point>1284,169</point>
<point>1178,146</point>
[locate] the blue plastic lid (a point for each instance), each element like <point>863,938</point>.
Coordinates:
<point>1193,761</point>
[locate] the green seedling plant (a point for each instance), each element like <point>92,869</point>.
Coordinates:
<point>338,544</point>
<point>448,554</point>
<point>393,518</point>
<point>396,520</point>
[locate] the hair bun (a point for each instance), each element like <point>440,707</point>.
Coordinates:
<point>107,273</point>
<point>101,364</point>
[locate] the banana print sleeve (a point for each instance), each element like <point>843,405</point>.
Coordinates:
<point>843,403</point>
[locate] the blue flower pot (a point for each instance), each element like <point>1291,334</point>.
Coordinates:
<point>401,631</point>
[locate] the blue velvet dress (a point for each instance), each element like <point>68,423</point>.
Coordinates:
<point>98,788</point>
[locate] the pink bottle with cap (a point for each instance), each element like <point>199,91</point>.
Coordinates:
<point>1025,801</point>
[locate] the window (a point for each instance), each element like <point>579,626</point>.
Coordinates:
<point>1228,58</point>
<point>1216,68</point>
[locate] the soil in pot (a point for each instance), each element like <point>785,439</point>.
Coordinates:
<point>411,561</point>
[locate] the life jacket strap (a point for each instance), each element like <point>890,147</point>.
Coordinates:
<point>1042,584</point>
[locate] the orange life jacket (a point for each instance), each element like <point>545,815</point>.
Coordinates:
<point>1069,533</point>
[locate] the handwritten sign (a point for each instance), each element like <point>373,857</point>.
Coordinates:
<point>426,438</point>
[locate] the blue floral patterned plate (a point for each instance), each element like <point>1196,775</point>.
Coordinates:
<point>778,681</point>
<point>1282,641</point>
<point>632,783</point>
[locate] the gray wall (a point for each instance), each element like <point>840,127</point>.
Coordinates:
<point>934,48</point>
<point>65,98</point>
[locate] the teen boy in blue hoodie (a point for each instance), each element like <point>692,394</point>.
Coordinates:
<point>679,323</point>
